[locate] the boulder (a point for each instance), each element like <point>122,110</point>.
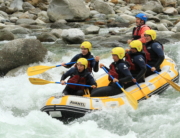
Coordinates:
<point>170,11</point>
<point>103,7</point>
<point>153,6</point>
<point>20,52</point>
<point>6,35</point>
<point>73,36</point>
<point>68,10</point>
<point>17,5</point>
<point>46,37</point>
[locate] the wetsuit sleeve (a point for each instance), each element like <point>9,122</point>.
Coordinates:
<point>67,74</point>
<point>157,48</point>
<point>140,61</point>
<point>90,80</point>
<point>124,69</point>
<point>74,59</point>
<point>142,39</point>
<point>106,68</point>
<point>95,65</point>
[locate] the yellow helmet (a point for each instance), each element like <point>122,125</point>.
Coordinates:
<point>136,44</point>
<point>152,33</point>
<point>119,51</point>
<point>83,61</point>
<point>86,44</point>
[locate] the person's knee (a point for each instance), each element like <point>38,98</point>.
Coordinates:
<point>65,93</point>
<point>80,93</point>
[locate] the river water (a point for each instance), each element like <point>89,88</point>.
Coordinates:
<point>20,103</point>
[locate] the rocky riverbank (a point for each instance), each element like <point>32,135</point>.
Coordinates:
<point>68,23</point>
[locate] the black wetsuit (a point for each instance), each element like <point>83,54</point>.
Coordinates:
<point>124,75</point>
<point>139,70</point>
<point>78,90</point>
<point>156,54</point>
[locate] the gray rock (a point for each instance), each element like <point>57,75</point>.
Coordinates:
<point>27,6</point>
<point>92,30</point>
<point>26,21</point>
<point>103,7</point>
<point>178,9</point>
<point>20,52</point>
<point>46,37</point>
<point>4,15</point>
<point>59,25</point>
<point>6,35</point>
<point>72,36</point>
<point>170,11</point>
<point>164,34</point>
<point>57,32</point>
<point>21,31</point>
<point>153,6</point>
<point>161,27</point>
<point>13,19</point>
<point>178,2</point>
<point>178,28</point>
<point>129,18</point>
<point>168,23</point>
<point>68,10</point>
<point>17,4</point>
<point>43,16</point>
<point>176,36</point>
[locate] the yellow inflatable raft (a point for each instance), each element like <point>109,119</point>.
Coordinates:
<point>69,107</point>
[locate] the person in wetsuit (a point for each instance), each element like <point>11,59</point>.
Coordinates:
<point>78,75</point>
<point>138,32</point>
<point>155,51</point>
<point>137,61</point>
<point>85,53</point>
<point>119,70</point>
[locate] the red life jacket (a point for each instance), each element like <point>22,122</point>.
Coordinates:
<point>79,80</point>
<point>148,57</point>
<point>137,31</point>
<point>112,71</point>
<point>128,59</point>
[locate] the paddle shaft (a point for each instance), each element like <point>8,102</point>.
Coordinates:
<point>72,63</point>
<point>151,67</point>
<point>141,89</point>
<point>40,69</point>
<point>111,77</point>
<point>74,84</point>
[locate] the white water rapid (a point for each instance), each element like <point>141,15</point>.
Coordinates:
<point>20,103</point>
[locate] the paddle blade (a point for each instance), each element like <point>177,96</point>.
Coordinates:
<point>174,85</point>
<point>37,81</point>
<point>38,70</point>
<point>131,99</point>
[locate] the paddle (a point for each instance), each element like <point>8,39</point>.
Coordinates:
<point>130,98</point>
<point>141,90</point>
<point>40,69</point>
<point>174,85</point>
<point>37,81</point>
